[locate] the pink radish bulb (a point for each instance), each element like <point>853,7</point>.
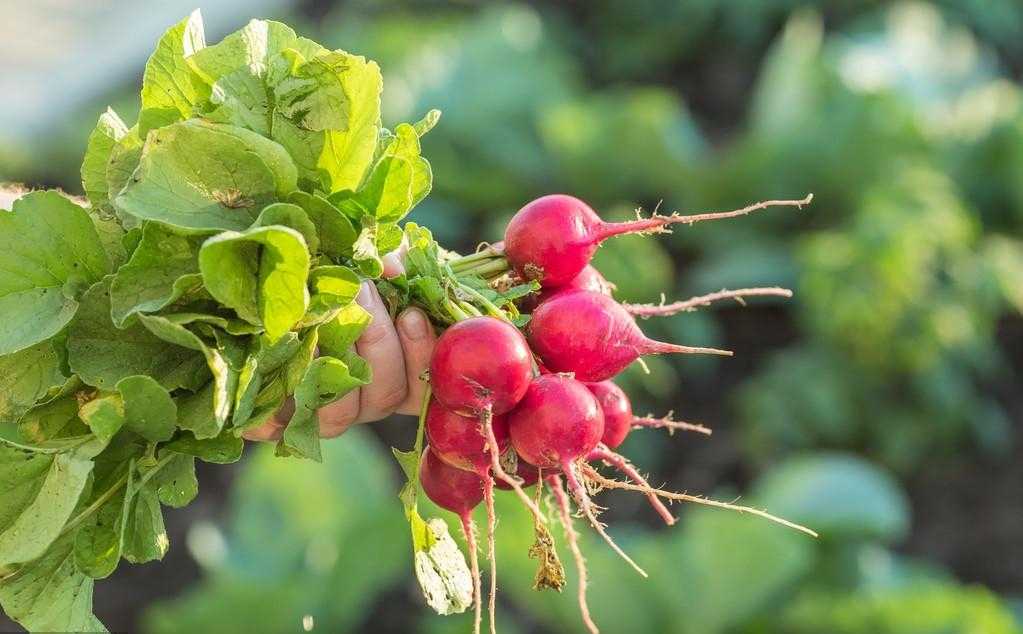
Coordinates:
<point>553,238</point>
<point>527,472</point>
<point>557,422</point>
<point>589,279</point>
<point>617,410</point>
<point>479,364</point>
<point>452,489</point>
<point>459,441</point>
<point>592,336</point>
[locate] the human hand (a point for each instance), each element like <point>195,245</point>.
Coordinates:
<point>398,353</point>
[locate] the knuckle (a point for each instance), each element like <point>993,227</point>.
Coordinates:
<point>389,399</point>
<point>375,334</point>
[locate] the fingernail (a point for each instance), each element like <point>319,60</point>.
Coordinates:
<point>367,293</point>
<point>413,324</point>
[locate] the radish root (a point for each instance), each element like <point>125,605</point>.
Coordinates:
<point>586,506</point>
<point>619,462</point>
<point>488,496</point>
<point>668,423</point>
<point>683,497</point>
<point>469,530</point>
<point>645,311</point>
<point>573,544</point>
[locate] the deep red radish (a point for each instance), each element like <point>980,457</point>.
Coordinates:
<point>451,489</point>
<point>556,426</point>
<point>617,410</point>
<point>592,336</point>
<point>479,364</point>
<point>460,492</point>
<point>524,471</point>
<point>459,441</point>
<point>589,279</point>
<point>553,238</point>
<point>557,422</point>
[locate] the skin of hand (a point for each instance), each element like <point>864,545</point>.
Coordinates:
<point>398,353</point>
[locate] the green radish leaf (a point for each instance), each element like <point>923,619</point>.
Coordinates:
<point>230,325</point>
<point>199,175</point>
<point>26,377</point>
<point>325,381</point>
<point>163,268</point>
<point>149,410</point>
<point>263,360</point>
<point>52,595</point>
<point>102,355</point>
<point>337,336</point>
<point>334,288</point>
<point>124,158</point>
<point>405,145</point>
<point>250,48</point>
<point>153,118</point>
<point>168,81</point>
<point>329,118</point>
<point>104,416</point>
<point>176,484</point>
<point>337,235</point>
<point>291,216</point>
<point>49,250</point>
<point>53,420</point>
<point>223,449</point>
<point>261,274</point>
<point>145,536</point>
<point>41,490</point>
<point>109,130</point>
<point>98,543</point>
<point>224,377</point>
<point>198,413</point>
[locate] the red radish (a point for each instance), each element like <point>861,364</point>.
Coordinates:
<point>589,279</point>
<point>459,441</point>
<point>619,419</point>
<point>526,472</point>
<point>592,336</point>
<point>553,238</point>
<point>482,367</point>
<point>556,425</point>
<point>460,492</point>
<point>557,422</point>
<point>481,363</point>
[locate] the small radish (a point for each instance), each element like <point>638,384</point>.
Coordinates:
<point>482,367</point>
<point>619,419</point>
<point>592,336</point>
<point>459,441</point>
<point>557,422</point>
<point>556,425</point>
<point>460,492</point>
<point>589,279</point>
<point>478,364</point>
<point>553,238</point>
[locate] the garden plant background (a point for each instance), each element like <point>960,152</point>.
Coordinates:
<point>882,406</point>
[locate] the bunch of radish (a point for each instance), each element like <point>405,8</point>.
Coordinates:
<point>537,406</point>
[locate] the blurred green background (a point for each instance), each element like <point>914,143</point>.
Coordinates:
<point>882,405</point>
